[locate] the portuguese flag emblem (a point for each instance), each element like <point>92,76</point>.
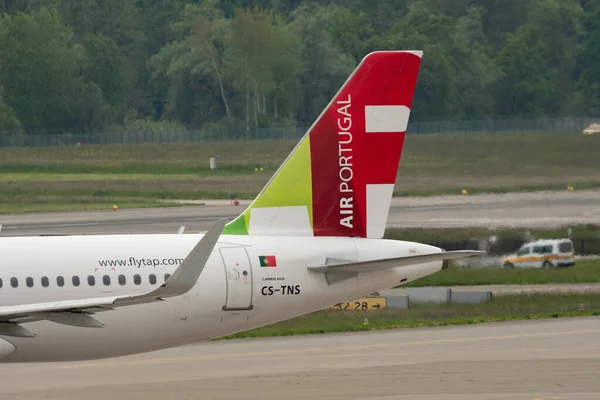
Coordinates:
<point>267,261</point>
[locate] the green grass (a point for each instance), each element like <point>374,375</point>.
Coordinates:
<point>50,203</point>
<point>187,159</point>
<point>482,189</point>
<point>491,161</point>
<point>458,234</point>
<point>67,177</point>
<point>584,271</point>
<point>504,308</point>
<point>431,164</point>
<point>146,186</point>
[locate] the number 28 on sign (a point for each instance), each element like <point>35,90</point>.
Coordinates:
<point>364,304</point>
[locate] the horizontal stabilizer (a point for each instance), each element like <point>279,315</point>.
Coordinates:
<point>388,263</point>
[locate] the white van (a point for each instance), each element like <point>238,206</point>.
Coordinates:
<point>547,253</point>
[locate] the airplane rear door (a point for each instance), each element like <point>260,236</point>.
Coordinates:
<point>238,275</point>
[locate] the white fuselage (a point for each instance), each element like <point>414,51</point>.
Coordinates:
<point>234,292</point>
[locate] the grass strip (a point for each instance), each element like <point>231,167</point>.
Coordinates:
<point>47,204</point>
<point>503,308</point>
<point>191,187</point>
<point>431,164</point>
<point>483,189</point>
<point>433,235</point>
<point>150,158</point>
<point>584,271</point>
<point>24,177</point>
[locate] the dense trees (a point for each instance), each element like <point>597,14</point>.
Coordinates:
<point>238,65</point>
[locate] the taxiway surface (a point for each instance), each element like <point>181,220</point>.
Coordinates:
<point>535,209</point>
<point>549,359</point>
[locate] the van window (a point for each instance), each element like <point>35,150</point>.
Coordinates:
<point>523,251</point>
<point>543,249</point>
<point>565,247</point>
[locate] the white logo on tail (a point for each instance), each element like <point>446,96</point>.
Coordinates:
<point>344,123</point>
<point>386,118</point>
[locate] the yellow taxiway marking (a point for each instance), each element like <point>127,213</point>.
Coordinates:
<point>312,350</point>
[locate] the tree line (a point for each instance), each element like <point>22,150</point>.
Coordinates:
<point>242,65</point>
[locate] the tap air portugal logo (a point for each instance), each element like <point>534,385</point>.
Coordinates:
<point>339,179</point>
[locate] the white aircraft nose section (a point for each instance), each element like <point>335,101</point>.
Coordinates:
<point>6,348</point>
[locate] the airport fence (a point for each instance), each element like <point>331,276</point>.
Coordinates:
<point>45,138</point>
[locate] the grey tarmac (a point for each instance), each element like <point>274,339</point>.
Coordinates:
<point>556,359</point>
<point>532,209</point>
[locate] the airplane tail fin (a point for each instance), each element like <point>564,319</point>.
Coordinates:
<point>339,179</point>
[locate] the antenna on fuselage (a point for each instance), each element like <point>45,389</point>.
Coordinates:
<point>181,229</point>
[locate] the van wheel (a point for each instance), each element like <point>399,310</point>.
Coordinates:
<point>547,264</point>
<point>508,265</point>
